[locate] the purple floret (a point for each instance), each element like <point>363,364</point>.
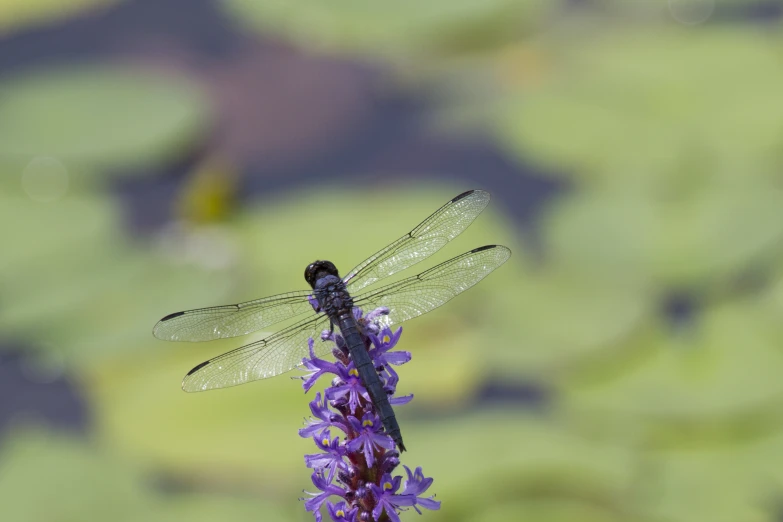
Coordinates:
<point>368,437</point>
<point>383,357</point>
<point>387,498</point>
<point>348,389</point>
<point>324,418</point>
<point>417,484</point>
<point>327,490</point>
<point>340,512</point>
<point>317,367</point>
<point>333,457</point>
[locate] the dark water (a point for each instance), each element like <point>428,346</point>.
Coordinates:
<point>33,395</point>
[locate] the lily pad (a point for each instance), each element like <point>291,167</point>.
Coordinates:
<point>633,103</point>
<point>691,238</point>
<point>722,483</point>
<point>74,286</point>
<point>206,508</point>
<point>720,383</point>
<point>557,326</point>
<point>686,12</point>
<point>550,510</point>
<point>96,116</point>
<point>32,228</point>
<point>390,29</point>
<point>503,458</point>
<point>248,430</point>
<point>40,465</point>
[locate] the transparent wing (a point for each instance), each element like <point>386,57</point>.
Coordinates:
<point>406,299</point>
<point>422,293</point>
<point>268,357</point>
<point>430,236</point>
<point>218,322</point>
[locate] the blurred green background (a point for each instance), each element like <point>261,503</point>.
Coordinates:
<point>160,155</point>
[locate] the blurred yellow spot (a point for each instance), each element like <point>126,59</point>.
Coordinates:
<point>387,485</point>
<point>209,194</point>
<point>520,65</point>
<point>325,442</point>
<point>353,372</point>
<point>386,339</point>
<point>340,513</point>
<point>367,423</point>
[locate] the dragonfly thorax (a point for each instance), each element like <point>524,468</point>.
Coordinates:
<point>332,295</point>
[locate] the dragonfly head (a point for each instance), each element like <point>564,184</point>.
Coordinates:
<point>319,269</point>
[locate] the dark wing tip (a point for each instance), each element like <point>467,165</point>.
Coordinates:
<point>463,195</point>
<point>500,248</point>
<point>197,368</point>
<point>171,316</point>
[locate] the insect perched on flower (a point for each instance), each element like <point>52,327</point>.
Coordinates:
<point>359,402</point>
<point>358,468</point>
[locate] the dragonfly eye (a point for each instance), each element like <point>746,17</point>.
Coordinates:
<point>318,269</point>
<point>310,274</point>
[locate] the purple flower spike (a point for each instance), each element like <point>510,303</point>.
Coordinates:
<point>358,469</point>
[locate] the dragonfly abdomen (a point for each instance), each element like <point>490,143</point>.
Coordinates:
<point>369,376</point>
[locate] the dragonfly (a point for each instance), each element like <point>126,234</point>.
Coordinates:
<point>330,302</point>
